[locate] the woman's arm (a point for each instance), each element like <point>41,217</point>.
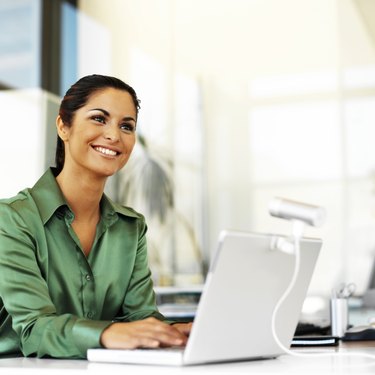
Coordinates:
<point>141,324</point>
<point>25,295</point>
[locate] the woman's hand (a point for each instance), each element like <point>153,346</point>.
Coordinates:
<point>184,328</point>
<point>147,333</point>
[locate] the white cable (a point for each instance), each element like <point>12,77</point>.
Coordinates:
<point>297,235</point>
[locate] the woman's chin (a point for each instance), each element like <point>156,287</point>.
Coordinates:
<point>104,172</point>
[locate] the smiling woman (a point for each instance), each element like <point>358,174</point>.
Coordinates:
<point>90,88</point>
<point>73,264</point>
<point>101,137</point>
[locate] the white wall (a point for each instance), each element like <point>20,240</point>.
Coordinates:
<point>287,90</point>
<point>28,132</point>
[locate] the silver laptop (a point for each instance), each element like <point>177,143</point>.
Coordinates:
<point>233,319</point>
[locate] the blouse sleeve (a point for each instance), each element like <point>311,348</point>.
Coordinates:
<point>140,301</point>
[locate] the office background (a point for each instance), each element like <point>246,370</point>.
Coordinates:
<point>242,100</point>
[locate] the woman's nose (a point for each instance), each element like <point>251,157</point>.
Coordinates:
<point>111,132</point>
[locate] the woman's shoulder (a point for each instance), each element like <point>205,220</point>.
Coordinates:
<point>123,210</point>
<point>21,198</point>
<point>25,198</point>
<point>18,209</point>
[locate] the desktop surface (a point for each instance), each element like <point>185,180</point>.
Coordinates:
<point>285,364</point>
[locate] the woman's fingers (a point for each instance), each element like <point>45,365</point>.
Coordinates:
<point>184,328</point>
<point>148,333</point>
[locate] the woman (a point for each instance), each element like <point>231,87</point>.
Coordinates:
<point>73,264</point>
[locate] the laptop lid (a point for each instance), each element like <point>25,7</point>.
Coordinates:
<point>243,286</point>
<point>233,319</point>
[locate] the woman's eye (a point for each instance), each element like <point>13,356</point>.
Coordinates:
<point>129,128</point>
<point>98,118</point>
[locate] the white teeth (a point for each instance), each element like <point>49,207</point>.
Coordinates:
<point>106,151</point>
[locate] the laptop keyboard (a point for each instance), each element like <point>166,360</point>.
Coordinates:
<point>165,349</point>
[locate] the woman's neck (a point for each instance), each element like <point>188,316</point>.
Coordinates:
<point>82,192</point>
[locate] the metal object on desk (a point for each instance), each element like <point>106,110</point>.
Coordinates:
<point>339,309</point>
<point>339,316</point>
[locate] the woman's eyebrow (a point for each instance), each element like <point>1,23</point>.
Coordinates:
<point>101,110</point>
<point>129,118</point>
<point>126,118</point>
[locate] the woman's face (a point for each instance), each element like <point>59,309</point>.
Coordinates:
<point>102,134</point>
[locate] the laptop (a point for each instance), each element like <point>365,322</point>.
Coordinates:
<point>246,279</point>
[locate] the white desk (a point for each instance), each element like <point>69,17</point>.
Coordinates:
<point>285,364</point>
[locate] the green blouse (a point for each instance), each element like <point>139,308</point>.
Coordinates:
<point>53,300</point>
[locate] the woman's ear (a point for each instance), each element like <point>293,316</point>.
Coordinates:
<point>62,129</point>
